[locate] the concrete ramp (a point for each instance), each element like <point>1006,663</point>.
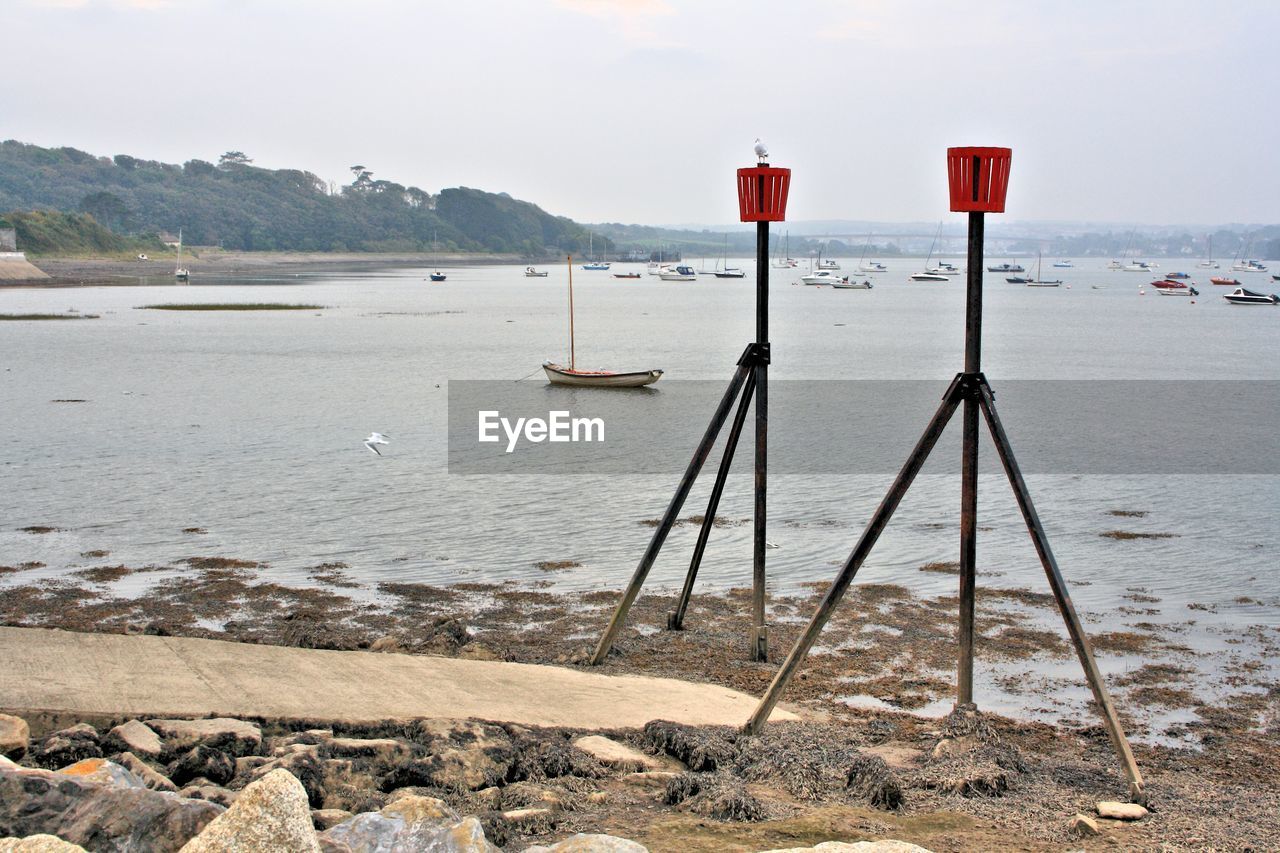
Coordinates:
<point>14,267</point>
<point>115,675</point>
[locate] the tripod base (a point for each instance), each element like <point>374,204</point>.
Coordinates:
<point>971,388</point>
<point>748,380</point>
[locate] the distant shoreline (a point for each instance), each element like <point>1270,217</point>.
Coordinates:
<point>77,272</point>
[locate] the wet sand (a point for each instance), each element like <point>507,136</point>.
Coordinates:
<point>214,264</point>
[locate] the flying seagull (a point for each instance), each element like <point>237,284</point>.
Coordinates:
<point>761,151</point>
<point>376,438</point>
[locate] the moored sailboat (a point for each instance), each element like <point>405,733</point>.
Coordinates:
<point>558,374</point>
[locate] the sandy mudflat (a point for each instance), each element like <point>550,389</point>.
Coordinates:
<point>65,272</point>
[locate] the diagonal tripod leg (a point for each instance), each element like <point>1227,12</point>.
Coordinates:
<point>869,536</point>
<point>673,509</point>
<point>675,621</point>
<point>1078,637</point>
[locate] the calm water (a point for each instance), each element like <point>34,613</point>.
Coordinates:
<point>249,425</point>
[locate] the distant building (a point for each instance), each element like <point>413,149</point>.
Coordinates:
<point>14,266</point>
<point>8,240</point>
<point>168,239</point>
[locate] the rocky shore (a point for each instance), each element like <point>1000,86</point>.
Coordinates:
<point>448,785</point>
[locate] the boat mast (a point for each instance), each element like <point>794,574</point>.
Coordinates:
<point>572,358</point>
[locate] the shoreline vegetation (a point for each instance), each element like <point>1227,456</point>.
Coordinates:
<point>230,306</point>
<point>850,770</point>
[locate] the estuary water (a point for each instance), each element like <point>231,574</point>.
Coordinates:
<point>249,425</point>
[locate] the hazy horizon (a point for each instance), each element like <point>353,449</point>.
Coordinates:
<point>638,111</point>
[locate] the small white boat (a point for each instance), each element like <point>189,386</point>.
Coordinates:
<point>180,273</point>
<point>595,265</point>
<point>530,272</point>
<point>828,264</point>
<point>680,273</point>
<point>1243,296</point>
<point>560,375</point>
<point>871,268</point>
<point>846,284</point>
<point>929,274</point>
<point>1137,266</point>
<point>820,277</point>
<point>944,268</point>
<point>1006,268</point>
<point>1062,264</point>
<point>1115,265</point>
<point>730,272</point>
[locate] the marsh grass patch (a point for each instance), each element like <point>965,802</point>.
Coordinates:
<point>230,306</point>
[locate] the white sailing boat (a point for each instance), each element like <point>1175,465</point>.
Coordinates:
<point>929,275</point>
<point>558,374</point>
<point>727,271</point>
<point>1038,281</point>
<point>869,268</point>
<point>594,264</point>
<point>1209,263</point>
<point>180,273</point>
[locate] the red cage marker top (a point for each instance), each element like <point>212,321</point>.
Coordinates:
<point>978,178</point>
<point>762,193</point>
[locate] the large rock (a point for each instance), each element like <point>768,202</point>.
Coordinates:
<point>1083,826</point>
<point>100,817</point>
<point>202,762</point>
<point>38,844</point>
<point>67,747</point>
<point>585,843</point>
<point>304,766</point>
<point>619,756</point>
<point>15,736</point>
<point>136,737</point>
<point>234,737</point>
<point>385,749</point>
<point>102,772</point>
<point>151,777</point>
<point>407,825</point>
<point>271,815</point>
<point>463,756</point>
<point>1121,811</point>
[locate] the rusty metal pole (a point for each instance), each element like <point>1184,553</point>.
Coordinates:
<point>675,620</point>
<point>1059,586</point>
<point>856,558</point>
<point>969,462</point>
<point>759,633</point>
<point>673,509</point>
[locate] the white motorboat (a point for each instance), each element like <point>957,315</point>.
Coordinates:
<point>820,277</point>
<point>828,264</point>
<point>871,268</point>
<point>530,272</point>
<point>1137,266</point>
<point>928,276</point>
<point>1063,264</point>
<point>679,273</point>
<point>846,284</point>
<point>1115,265</point>
<point>1249,266</point>
<point>1243,296</point>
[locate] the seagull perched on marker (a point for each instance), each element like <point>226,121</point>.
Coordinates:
<point>376,438</point>
<point>761,151</point>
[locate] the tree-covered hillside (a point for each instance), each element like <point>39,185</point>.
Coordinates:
<point>237,205</point>
<point>45,232</point>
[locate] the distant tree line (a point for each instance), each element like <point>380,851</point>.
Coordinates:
<point>236,205</point>
<point>49,232</point>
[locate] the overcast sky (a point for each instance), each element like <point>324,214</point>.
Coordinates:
<point>639,110</point>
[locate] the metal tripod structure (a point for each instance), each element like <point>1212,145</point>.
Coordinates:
<point>971,389</point>
<point>749,380</point>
